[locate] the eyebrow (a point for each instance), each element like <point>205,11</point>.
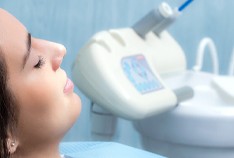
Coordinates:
<point>28,46</point>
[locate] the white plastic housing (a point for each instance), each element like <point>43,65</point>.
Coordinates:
<point>98,72</point>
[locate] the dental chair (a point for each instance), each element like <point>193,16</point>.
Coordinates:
<point>140,74</point>
<point>102,150</point>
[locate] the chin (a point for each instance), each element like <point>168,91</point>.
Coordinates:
<point>76,107</point>
<point>72,114</point>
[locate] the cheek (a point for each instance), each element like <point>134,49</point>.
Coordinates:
<point>41,105</point>
<point>42,96</point>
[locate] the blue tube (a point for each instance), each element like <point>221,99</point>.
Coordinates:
<point>183,6</point>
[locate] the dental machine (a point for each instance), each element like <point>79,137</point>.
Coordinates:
<point>140,74</point>
<point>120,69</point>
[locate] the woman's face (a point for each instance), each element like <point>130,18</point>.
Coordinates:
<point>48,107</point>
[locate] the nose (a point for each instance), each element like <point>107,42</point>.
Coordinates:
<point>59,52</point>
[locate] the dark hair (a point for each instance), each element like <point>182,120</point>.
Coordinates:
<point>7,109</point>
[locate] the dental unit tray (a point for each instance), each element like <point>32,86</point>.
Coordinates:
<point>120,69</point>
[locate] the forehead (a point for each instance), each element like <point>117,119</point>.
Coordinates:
<point>12,37</point>
<point>9,25</point>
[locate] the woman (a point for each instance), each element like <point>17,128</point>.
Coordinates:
<point>37,105</point>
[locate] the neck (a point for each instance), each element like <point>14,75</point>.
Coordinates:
<point>38,151</point>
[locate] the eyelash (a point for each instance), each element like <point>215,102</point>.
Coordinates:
<point>40,62</point>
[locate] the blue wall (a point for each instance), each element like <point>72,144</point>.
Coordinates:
<point>73,22</point>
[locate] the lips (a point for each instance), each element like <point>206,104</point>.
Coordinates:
<point>69,86</point>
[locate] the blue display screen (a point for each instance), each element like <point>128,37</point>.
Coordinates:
<point>139,74</point>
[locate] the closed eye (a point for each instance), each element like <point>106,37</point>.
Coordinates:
<point>40,63</point>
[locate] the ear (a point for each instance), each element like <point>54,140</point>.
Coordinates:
<point>12,145</point>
